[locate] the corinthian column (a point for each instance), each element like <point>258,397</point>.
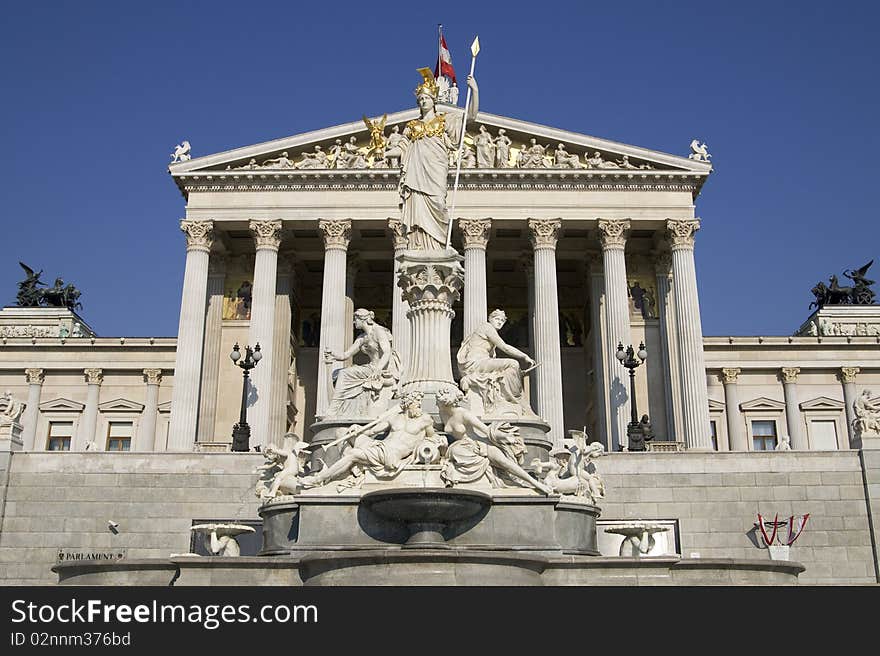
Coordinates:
<point>736,433</point>
<point>612,235</point>
<point>337,235</point>
<point>190,334</point>
<point>89,421</point>
<point>544,233</point>
<point>595,279</point>
<point>789,375</point>
<point>278,395</point>
<point>694,394</point>
<point>146,435</point>
<point>527,261</point>
<point>848,378</point>
<point>399,307</point>
<point>31,416</point>
<point>475,235</point>
<point>267,239</point>
<point>210,352</point>
<point>668,341</point>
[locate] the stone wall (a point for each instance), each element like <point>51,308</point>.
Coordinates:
<point>64,501</point>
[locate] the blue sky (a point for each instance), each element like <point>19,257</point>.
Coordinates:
<point>96,95</point>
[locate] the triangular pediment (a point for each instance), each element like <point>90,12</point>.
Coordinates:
<point>121,405</point>
<point>164,407</point>
<point>61,405</point>
<point>716,405</point>
<point>762,403</point>
<point>331,150</point>
<point>822,403</point>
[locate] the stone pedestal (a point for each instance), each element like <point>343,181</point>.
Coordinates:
<point>431,281</point>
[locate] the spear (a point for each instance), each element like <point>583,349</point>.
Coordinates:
<point>475,49</point>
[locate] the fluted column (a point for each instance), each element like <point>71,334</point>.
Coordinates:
<point>267,239</point>
<point>88,423</point>
<point>848,378</point>
<point>527,260</point>
<point>146,435</point>
<point>431,282</point>
<point>544,233</point>
<point>31,415</point>
<point>190,335</point>
<point>600,352</point>
<point>736,433</point>
<point>612,235</point>
<point>668,342</point>
<point>351,270</point>
<point>211,351</point>
<point>399,307</point>
<point>475,237</point>
<point>694,393</point>
<point>281,354</point>
<point>336,235</point>
<point>798,440</point>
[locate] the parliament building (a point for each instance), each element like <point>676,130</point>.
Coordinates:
<point>585,243</point>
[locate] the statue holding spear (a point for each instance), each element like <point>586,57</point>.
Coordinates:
<point>423,152</point>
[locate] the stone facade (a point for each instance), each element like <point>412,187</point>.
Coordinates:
<point>580,259</point>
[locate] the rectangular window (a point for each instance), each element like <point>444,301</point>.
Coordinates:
<point>60,435</point>
<point>764,435</point>
<point>119,436</point>
<point>713,428</point>
<point>824,434</point>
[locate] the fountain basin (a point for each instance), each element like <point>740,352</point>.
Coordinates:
<point>426,512</point>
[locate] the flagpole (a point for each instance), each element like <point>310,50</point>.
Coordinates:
<point>475,48</point>
<point>439,50</point>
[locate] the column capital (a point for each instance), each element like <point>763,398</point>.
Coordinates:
<point>94,376</point>
<point>663,263</point>
<point>152,376</point>
<point>789,374</point>
<point>729,375</point>
<point>681,232</point>
<point>848,374</point>
<point>336,233</point>
<point>199,234</point>
<point>267,234</point>
<point>34,376</point>
<point>544,233</point>
<point>475,232</point>
<point>612,233</point>
<point>398,233</point>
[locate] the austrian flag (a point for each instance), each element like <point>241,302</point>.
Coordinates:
<point>445,62</point>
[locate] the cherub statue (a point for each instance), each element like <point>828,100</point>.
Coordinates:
<point>181,152</point>
<point>283,468</point>
<point>568,471</point>
<point>699,151</point>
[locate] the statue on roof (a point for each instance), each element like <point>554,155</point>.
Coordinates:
<point>423,152</point>
<point>181,152</point>
<point>29,292</point>
<point>860,293</point>
<point>699,151</point>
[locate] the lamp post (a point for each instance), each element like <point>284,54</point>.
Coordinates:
<point>241,432</point>
<point>634,433</point>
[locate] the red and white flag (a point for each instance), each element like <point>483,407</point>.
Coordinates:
<point>444,62</point>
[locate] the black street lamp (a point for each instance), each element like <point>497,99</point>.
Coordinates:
<point>634,432</point>
<point>241,432</point>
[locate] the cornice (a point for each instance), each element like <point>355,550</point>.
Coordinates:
<point>471,179</point>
